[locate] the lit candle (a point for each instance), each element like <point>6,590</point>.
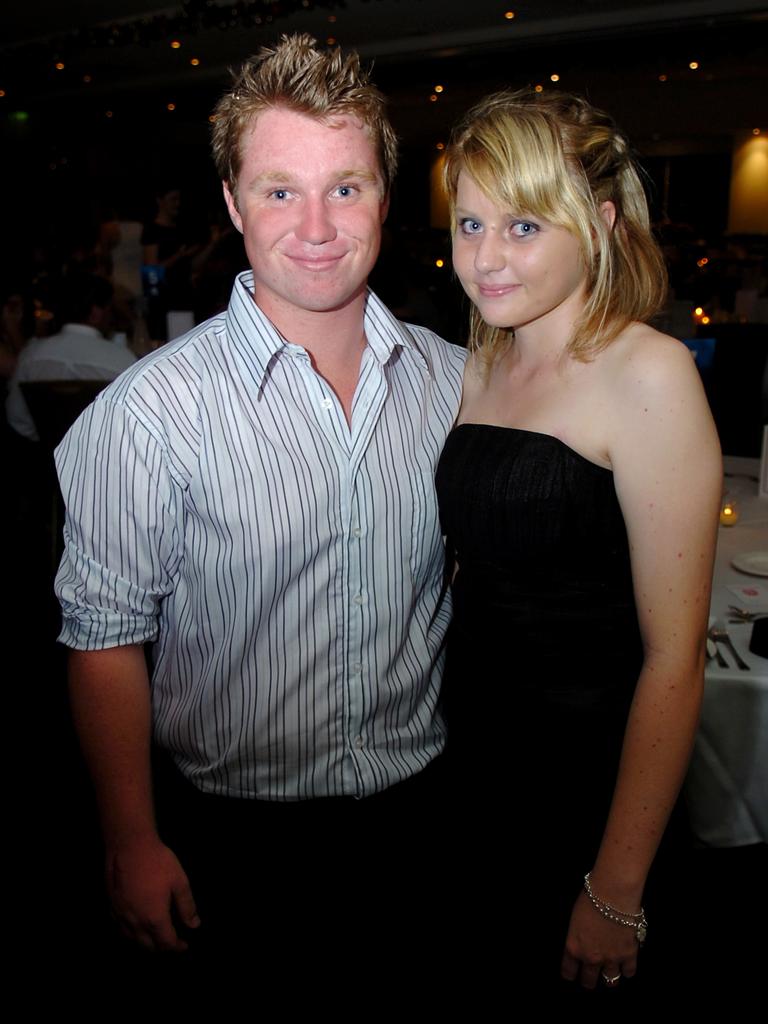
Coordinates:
<point>729,513</point>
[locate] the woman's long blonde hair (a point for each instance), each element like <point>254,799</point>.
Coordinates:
<point>554,156</point>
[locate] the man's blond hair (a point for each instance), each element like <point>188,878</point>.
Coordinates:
<point>298,75</point>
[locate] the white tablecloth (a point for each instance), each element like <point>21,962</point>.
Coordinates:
<point>727,784</point>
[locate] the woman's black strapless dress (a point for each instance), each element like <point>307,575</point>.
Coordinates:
<point>543,657</point>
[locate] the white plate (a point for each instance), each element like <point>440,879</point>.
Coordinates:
<point>753,562</point>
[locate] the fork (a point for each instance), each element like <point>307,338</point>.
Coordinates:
<point>745,616</point>
<point>716,652</point>
<point>721,636</point>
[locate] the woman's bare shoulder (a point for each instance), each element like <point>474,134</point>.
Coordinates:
<point>643,359</point>
<point>659,404</point>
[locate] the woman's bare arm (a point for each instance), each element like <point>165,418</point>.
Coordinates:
<point>666,461</point>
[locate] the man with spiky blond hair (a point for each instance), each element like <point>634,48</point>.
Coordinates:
<point>253,507</point>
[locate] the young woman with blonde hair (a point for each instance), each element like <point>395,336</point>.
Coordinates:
<point>579,495</point>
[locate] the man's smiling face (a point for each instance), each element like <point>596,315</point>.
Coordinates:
<point>309,202</point>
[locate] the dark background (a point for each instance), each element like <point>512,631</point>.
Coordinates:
<point>74,149</point>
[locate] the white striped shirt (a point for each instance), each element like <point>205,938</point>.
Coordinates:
<point>286,565</point>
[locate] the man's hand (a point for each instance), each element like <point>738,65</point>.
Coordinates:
<point>150,894</point>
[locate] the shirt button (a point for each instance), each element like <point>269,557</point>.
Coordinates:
<point>359,742</point>
<point>326,403</point>
<point>358,598</point>
<point>357,532</point>
<point>357,666</point>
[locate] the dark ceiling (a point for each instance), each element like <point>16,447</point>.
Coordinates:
<point>124,62</point>
<point>124,107</point>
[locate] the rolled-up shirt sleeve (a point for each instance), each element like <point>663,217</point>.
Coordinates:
<point>122,536</point>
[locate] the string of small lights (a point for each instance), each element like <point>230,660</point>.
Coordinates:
<point>193,16</point>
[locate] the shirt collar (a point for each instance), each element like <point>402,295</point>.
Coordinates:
<point>259,343</point>
<point>384,333</point>
<point>252,335</point>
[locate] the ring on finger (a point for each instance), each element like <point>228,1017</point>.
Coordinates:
<point>610,980</point>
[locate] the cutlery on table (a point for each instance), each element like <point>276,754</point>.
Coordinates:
<point>742,615</point>
<point>714,651</point>
<point>720,636</point>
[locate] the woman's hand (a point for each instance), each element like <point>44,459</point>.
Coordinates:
<point>597,948</point>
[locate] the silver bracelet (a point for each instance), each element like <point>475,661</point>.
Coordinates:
<point>637,921</point>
